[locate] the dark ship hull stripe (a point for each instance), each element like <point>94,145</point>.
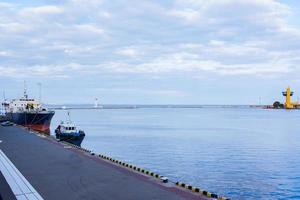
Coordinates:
<point>36,121</point>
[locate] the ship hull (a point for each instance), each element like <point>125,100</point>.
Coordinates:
<point>39,121</point>
<point>76,140</point>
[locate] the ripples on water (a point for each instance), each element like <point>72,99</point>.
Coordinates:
<point>237,152</point>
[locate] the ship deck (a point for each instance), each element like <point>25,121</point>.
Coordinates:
<point>52,170</point>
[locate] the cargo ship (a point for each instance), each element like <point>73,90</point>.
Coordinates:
<point>28,112</point>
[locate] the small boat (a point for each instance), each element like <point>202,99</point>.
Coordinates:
<point>68,132</point>
<point>6,123</point>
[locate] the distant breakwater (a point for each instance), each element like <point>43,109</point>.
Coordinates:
<point>84,106</point>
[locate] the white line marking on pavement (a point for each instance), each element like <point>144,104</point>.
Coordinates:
<point>21,188</point>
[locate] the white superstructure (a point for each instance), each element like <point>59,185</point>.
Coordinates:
<point>23,104</point>
<point>67,127</point>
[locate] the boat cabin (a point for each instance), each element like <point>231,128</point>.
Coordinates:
<point>67,127</point>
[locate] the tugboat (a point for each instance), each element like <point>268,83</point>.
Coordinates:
<point>68,132</point>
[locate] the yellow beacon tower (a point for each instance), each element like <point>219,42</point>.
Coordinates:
<point>288,103</point>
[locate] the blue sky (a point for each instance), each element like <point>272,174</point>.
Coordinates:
<point>151,52</point>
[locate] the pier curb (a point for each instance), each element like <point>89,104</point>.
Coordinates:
<point>200,191</point>
<point>134,168</point>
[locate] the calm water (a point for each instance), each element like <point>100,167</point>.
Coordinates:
<point>241,153</point>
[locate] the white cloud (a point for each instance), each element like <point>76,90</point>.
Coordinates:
<point>90,3</point>
<point>5,53</point>
<point>189,15</point>
<point>8,72</point>
<point>5,5</point>
<point>232,14</point>
<point>130,52</point>
<point>217,36</point>
<point>14,28</point>
<point>41,10</point>
<point>185,62</point>
<point>42,71</point>
<point>89,28</point>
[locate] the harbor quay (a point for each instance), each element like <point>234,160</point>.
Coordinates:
<point>34,166</point>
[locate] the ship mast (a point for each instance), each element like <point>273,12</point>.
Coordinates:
<point>69,117</point>
<point>40,92</point>
<point>25,91</point>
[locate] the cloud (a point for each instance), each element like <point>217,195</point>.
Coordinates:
<point>14,28</point>
<point>189,15</point>
<point>247,17</point>
<point>89,28</point>
<point>220,37</point>
<point>185,62</point>
<point>4,53</point>
<point>130,52</point>
<point>5,5</point>
<point>42,71</point>
<point>41,10</point>
<point>8,71</point>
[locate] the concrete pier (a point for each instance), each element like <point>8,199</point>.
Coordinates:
<point>57,171</point>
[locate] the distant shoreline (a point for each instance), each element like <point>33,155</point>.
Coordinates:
<point>117,106</point>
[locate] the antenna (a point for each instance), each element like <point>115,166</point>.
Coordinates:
<point>4,96</point>
<point>69,116</point>
<point>25,90</point>
<point>40,92</point>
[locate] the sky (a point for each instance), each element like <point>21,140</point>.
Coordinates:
<point>150,52</point>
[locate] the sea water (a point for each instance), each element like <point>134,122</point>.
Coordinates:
<point>241,153</point>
